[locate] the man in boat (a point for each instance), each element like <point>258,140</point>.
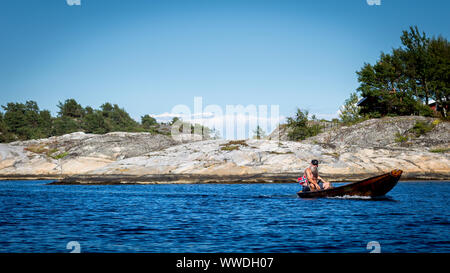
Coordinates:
<point>311,180</point>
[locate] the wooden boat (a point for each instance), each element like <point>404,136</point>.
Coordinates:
<point>372,187</point>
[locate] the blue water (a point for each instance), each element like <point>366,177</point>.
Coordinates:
<point>35,217</point>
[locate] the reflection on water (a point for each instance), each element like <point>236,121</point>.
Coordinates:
<point>413,217</point>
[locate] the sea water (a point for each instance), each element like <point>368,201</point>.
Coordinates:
<point>36,217</point>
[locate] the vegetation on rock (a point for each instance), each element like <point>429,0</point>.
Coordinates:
<point>233,145</point>
<point>300,128</point>
<point>421,128</point>
<point>259,133</point>
<point>24,121</point>
<point>349,112</point>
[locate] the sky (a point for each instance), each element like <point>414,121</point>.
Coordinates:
<point>149,56</point>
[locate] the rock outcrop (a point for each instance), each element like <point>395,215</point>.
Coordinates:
<point>385,132</point>
<point>345,154</point>
<point>260,160</point>
<point>75,153</point>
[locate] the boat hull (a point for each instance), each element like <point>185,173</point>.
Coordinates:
<point>371,187</point>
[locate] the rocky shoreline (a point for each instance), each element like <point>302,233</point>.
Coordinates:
<point>209,179</point>
<point>345,154</point>
<point>231,179</point>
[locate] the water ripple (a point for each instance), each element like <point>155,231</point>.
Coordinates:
<point>219,218</point>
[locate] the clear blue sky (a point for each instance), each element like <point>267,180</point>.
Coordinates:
<point>148,56</point>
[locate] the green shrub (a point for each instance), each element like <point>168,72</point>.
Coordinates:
<point>349,113</point>
<point>299,128</point>
<point>60,156</point>
<point>399,138</point>
<point>440,150</point>
<point>421,128</point>
<point>424,110</point>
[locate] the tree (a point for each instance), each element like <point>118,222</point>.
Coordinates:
<point>23,121</point>
<point>299,128</point>
<point>174,120</point>
<point>385,86</point>
<point>94,122</point>
<point>14,117</point>
<point>148,122</point>
<point>26,121</point>
<point>199,129</point>
<point>349,112</point>
<point>3,131</point>
<point>417,61</point>
<point>402,82</point>
<point>259,132</point>
<point>439,55</point>
<point>70,108</point>
<point>88,110</point>
<point>65,125</point>
<point>69,119</point>
<point>118,119</point>
<point>45,123</point>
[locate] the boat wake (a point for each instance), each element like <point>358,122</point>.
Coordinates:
<point>357,197</point>
<point>351,197</point>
